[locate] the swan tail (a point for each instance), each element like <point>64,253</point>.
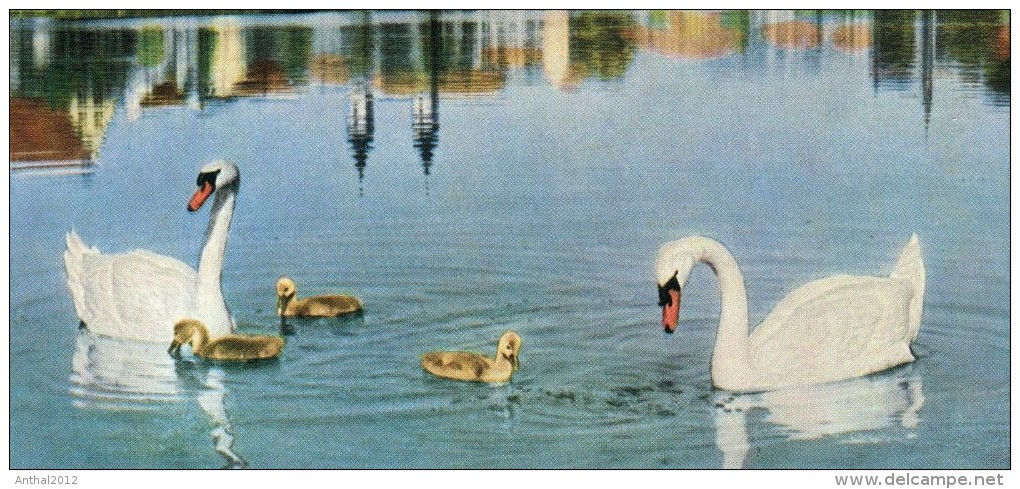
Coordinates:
<point>74,265</point>
<point>910,267</point>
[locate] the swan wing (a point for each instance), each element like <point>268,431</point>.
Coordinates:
<point>835,328</point>
<point>910,267</point>
<point>136,295</point>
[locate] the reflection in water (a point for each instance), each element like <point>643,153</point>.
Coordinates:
<point>67,79</point>
<point>927,63</point>
<point>580,46</point>
<point>115,374</point>
<point>693,35</point>
<point>852,33</point>
<point>862,407</point>
<point>42,137</point>
<point>426,104</point>
<point>227,63</point>
<point>787,29</point>
<point>361,128</point>
<point>977,42</point>
<point>211,401</point>
<point>122,375</point>
<point>556,51</point>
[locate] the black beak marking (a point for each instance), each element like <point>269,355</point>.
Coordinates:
<point>672,284</point>
<point>207,177</point>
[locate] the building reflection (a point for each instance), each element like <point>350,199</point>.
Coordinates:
<point>851,33</point>
<point>361,127</point>
<point>426,104</point>
<point>42,136</point>
<point>556,63</point>
<point>60,105</point>
<point>68,81</point>
<point>789,29</point>
<point>693,35</point>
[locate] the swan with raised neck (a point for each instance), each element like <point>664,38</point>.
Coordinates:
<point>222,179</point>
<point>210,305</point>
<point>140,294</point>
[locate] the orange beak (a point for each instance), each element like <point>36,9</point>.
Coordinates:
<point>671,312</point>
<point>200,197</point>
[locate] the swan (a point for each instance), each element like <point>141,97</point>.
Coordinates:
<point>230,347</point>
<point>139,295</point>
<point>830,329</point>
<point>459,365</point>
<point>288,305</point>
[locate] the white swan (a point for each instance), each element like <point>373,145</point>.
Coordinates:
<point>831,329</point>
<point>140,295</point>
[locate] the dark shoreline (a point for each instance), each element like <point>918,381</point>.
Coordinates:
<point>87,14</point>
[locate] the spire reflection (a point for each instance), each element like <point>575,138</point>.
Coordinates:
<point>361,128</point>
<point>426,105</point>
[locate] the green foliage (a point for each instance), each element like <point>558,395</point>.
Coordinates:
<point>598,40</point>
<point>84,14</point>
<point>151,51</point>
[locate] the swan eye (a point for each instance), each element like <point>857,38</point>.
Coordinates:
<point>207,177</point>
<point>672,284</point>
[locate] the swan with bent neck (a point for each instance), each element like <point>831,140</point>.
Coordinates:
<point>140,295</point>
<point>835,328</point>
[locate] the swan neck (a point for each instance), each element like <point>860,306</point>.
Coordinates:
<point>730,363</point>
<point>210,263</point>
<point>209,304</point>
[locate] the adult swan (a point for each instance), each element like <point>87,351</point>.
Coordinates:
<point>831,329</point>
<point>140,295</point>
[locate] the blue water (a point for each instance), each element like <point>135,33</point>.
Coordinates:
<point>540,208</point>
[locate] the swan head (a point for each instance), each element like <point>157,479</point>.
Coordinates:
<point>286,290</point>
<point>216,175</point>
<point>673,267</point>
<point>510,348</point>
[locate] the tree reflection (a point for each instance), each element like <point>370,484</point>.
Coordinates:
<point>79,73</point>
<point>894,47</point>
<point>979,41</point>
<point>599,43</point>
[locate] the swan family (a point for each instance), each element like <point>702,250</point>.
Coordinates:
<point>831,329</point>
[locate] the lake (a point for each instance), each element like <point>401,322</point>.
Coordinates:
<point>468,173</point>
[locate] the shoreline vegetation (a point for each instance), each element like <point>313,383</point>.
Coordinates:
<point>88,14</point>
